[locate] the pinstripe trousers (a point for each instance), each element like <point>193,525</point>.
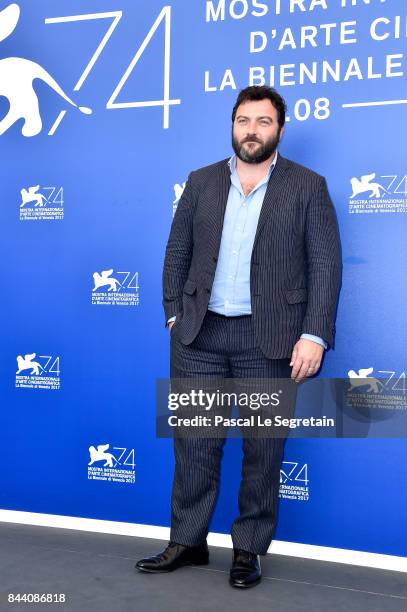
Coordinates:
<point>225,347</point>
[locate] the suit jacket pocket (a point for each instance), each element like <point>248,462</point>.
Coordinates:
<point>294,296</point>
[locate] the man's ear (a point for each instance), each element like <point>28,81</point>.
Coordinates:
<point>282,132</point>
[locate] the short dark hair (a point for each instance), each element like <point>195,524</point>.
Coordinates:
<point>262,92</point>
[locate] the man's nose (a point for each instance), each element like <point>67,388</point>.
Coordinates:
<point>252,129</point>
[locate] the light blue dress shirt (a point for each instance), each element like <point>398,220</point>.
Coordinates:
<point>231,286</point>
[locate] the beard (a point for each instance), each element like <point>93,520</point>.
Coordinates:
<point>259,153</point>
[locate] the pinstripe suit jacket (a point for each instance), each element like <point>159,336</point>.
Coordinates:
<point>295,269</point>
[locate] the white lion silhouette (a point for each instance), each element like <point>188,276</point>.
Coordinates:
<point>31,195</point>
<point>364,184</point>
<point>99,454</point>
<point>362,378</point>
<point>27,363</point>
<point>103,279</point>
<point>16,83</point>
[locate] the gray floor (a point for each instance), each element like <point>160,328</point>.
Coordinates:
<point>96,572</point>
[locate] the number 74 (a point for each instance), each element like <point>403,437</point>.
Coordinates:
<point>166,102</point>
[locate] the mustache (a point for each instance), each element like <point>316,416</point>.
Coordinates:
<point>252,139</point>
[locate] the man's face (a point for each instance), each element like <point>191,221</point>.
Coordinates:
<point>255,131</point>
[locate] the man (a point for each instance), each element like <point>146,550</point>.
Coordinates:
<point>250,285</point>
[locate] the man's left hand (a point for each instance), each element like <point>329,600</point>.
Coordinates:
<point>305,359</point>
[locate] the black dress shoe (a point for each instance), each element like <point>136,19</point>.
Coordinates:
<point>173,557</point>
<point>245,571</point>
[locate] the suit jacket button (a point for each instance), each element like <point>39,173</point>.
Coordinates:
<point>215,259</point>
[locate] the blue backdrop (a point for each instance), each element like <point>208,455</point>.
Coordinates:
<point>87,200</point>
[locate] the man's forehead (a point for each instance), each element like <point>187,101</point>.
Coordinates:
<point>256,108</point>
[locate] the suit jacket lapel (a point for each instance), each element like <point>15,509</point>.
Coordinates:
<point>271,202</point>
<point>222,193</point>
